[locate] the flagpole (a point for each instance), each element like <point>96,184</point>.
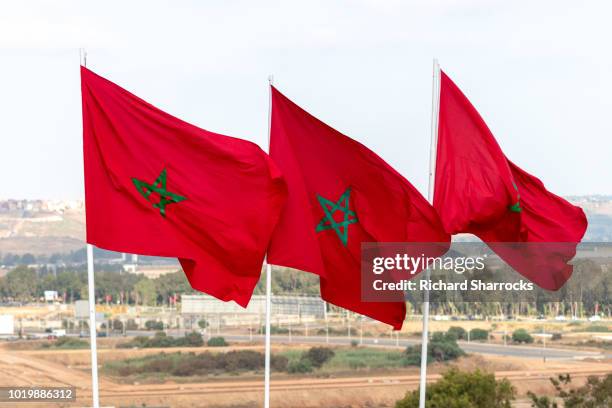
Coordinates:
<point>92,327</point>
<point>268,283</point>
<point>435,110</point>
<point>91,301</point>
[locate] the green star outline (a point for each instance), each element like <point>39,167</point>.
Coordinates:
<point>328,222</point>
<point>159,187</point>
<point>516,207</point>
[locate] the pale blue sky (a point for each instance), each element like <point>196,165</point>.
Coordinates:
<point>539,73</point>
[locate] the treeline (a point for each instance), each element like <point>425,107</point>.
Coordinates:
<point>73,257</point>
<point>589,291</point>
<point>26,284</point>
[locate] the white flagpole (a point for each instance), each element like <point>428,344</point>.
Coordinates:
<point>92,327</point>
<point>268,284</point>
<point>435,110</point>
<point>92,302</point>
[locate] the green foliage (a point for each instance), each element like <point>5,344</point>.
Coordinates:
<point>441,347</point>
<point>301,366</point>
<point>20,283</point>
<point>521,336</point>
<point>161,340</point>
<point>217,342</point>
<point>597,329</point>
<point>596,393</point>
<point>154,325</point>
<point>290,281</point>
<point>318,356</point>
<point>335,331</point>
<point>191,364</point>
<point>274,330</point>
<point>479,334</point>
<point>145,290</point>
<point>458,332</point>
<point>131,325</point>
<point>67,343</point>
<point>354,343</point>
<point>202,323</point>
<point>457,389</point>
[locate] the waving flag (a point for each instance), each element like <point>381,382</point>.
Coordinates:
<point>341,194</point>
<point>479,191</point>
<point>156,185</point>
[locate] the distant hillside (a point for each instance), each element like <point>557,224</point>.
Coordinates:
<point>41,227</point>
<point>44,227</point>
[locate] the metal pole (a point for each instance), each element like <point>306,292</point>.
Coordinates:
<point>348,324</point>
<point>92,301</point>
<point>92,328</point>
<point>544,343</point>
<point>361,331</point>
<point>435,110</point>
<point>268,283</point>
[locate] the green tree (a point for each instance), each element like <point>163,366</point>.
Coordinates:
<point>145,288</point>
<point>521,336</point>
<point>458,332</point>
<point>458,389</point>
<point>318,356</point>
<point>22,283</point>
<point>441,347</point>
<point>596,393</point>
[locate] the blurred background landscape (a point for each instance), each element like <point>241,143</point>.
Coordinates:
<point>163,344</point>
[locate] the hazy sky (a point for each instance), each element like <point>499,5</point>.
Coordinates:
<point>538,71</point>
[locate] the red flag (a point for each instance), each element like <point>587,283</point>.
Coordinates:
<point>479,191</point>
<point>340,195</point>
<point>156,185</point>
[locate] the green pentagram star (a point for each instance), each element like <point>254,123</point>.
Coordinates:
<point>329,208</point>
<point>516,207</point>
<point>159,187</point>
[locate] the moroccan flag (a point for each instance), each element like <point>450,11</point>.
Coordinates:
<point>479,191</point>
<point>156,185</point>
<point>340,195</point>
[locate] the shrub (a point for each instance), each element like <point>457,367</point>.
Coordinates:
<point>354,343</point>
<point>458,332</point>
<point>335,331</point>
<point>300,367</point>
<point>521,336</point>
<point>279,363</point>
<point>131,325</point>
<point>241,360</point>
<point>464,390</point>
<point>597,329</point>
<point>479,334</point>
<point>444,351</point>
<point>217,342</point>
<point>441,347</point>
<point>70,343</point>
<point>556,336</point>
<point>596,393</point>
<point>274,330</point>
<point>154,325</point>
<point>160,340</point>
<point>202,323</point>
<point>192,339</point>
<point>412,356</point>
<point>318,356</point>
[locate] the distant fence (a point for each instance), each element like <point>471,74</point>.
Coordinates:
<point>281,305</point>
